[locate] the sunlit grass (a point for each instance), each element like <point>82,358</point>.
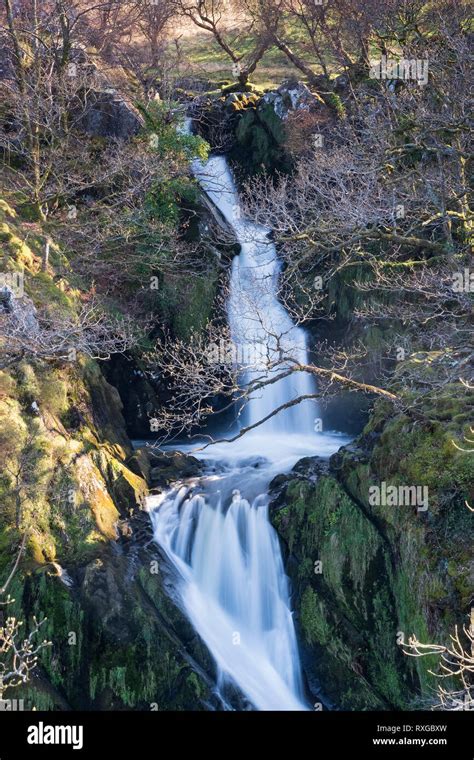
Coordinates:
<point>208,60</point>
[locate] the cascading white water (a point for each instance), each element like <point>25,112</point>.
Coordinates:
<point>235,592</point>
<point>260,326</point>
<point>215,530</point>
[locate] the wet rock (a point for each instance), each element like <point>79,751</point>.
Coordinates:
<point>139,396</point>
<point>261,128</point>
<point>311,468</point>
<point>168,467</point>
<point>308,469</point>
<point>358,451</point>
<point>139,463</point>
<point>341,83</point>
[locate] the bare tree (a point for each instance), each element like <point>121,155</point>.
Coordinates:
<point>18,654</point>
<point>26,332</point>
<point>46,94</point>
<point>230,24</point>
<point>342,36</point>
<point>456,665</point>
<point>237,368</point>
<point>334,35</point>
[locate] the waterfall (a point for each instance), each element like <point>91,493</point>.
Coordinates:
<point>235,592</point>
<point>215,529</point>
<point>260,326</point>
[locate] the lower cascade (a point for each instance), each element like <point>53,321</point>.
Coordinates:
<point>235,591</point>
<point>215,529</point>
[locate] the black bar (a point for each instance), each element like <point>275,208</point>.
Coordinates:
<point>129,734</point>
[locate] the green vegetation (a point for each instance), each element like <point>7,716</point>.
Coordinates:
<point>387,572</point>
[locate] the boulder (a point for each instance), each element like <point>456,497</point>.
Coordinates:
<point>107,114</point>
<point>261,129</point>
<point>170,466</point>
<point>289,97</point>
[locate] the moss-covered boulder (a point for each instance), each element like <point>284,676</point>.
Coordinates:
<point>367,575</point>
<point>261,129</point>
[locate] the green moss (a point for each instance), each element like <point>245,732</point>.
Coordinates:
<point>53,388</point>
<point>6,210</point>
<point>349,612</point>
<point>45,293</point>
<point>189,302</point>
<point>15,248</point>
<point>387,572</point>
<point>334,101</point>
<point>314,623</point>
<point>260,135</point>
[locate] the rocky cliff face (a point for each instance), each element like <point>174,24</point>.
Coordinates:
<point>90,567</point>
<point>367,576</point>
<point>73,485</point>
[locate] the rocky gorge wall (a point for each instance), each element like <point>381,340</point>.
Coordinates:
<point>90,568</point>
<point>367,577</point>
<point>73,485</point>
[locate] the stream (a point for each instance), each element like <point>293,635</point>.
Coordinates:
<point>215,529</point>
